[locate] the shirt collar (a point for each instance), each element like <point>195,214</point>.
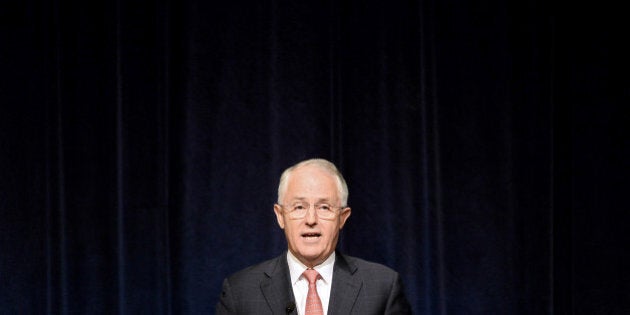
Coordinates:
<point>296,268</point>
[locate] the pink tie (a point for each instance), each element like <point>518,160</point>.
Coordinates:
<point>313,303</point>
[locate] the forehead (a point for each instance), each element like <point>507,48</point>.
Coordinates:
<point>311,182</point>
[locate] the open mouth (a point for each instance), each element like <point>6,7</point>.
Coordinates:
<point>311,235</point>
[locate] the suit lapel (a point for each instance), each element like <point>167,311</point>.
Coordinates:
<point>277,286</point>
<point>345,287</point>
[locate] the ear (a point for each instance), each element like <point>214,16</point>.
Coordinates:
<point>345,214</point>
<point>279,215</point>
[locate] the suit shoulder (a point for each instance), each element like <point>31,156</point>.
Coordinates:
<point>364,266</point>
<point>381,290</point>
<point>256,271</point>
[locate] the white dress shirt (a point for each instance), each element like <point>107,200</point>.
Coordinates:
<point>300,284</point>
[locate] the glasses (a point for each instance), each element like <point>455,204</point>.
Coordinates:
<point>298,210</point>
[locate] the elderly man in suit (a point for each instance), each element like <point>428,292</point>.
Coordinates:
<point>311,277</point>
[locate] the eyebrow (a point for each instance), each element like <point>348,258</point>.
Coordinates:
<point>320,200</point>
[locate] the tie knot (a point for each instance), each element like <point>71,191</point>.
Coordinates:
<point>311,275</point>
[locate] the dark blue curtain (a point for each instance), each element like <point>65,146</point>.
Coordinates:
<point>484,144</point>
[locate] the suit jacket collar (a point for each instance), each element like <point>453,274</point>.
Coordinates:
<point>344,292</point>
<point>345,287</point>
<point>277,287</point>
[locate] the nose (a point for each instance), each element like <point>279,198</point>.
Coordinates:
<point>311,216</point>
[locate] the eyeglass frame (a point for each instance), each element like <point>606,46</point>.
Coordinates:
<point>308,207</point>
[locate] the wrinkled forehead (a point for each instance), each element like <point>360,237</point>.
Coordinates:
<point>312,182</point>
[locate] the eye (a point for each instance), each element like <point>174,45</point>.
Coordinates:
<point>324,207</point>
<point>298,207</point>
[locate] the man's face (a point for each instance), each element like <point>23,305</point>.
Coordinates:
<point>311,239</point>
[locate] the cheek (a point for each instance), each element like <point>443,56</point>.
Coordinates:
<point>330,232</point>
<point>291,230</point>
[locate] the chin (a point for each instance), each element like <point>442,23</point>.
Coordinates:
<point>312,255</point>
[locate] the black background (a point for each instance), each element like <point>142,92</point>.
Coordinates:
<point>484,144</point>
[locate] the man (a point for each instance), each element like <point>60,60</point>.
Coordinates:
<point>311,277</point>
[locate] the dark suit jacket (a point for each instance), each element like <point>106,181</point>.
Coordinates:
<point>359,287</point>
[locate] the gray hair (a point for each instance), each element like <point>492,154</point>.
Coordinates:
<point>325,165</point>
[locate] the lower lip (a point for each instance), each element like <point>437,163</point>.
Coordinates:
<point>310,238</point>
